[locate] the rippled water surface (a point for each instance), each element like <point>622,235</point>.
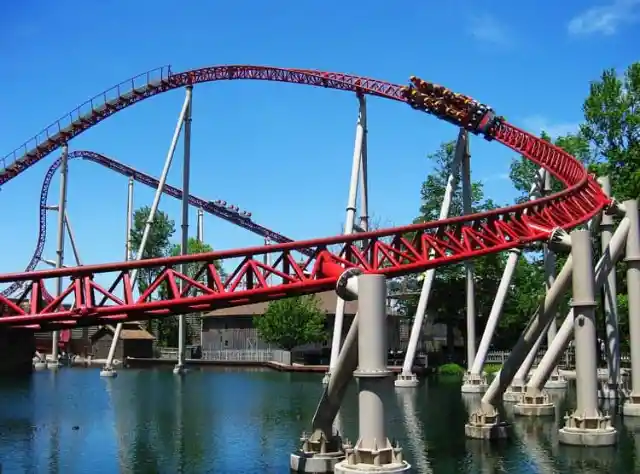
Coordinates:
<point>244,422</point>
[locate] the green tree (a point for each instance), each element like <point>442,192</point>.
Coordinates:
<point>170,329</point>
<point>612,127</point>
<point>157,245</point>
<point>291,322</point>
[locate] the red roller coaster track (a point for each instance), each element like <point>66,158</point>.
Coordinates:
<point>391,252</point>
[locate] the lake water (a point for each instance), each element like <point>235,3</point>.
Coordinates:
<point>228,421</point>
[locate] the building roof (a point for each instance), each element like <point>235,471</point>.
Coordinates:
<point>130,331</point>
<point>327,303</point>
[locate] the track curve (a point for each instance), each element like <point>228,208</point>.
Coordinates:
<point>125,170</point>
<point>391,252</point>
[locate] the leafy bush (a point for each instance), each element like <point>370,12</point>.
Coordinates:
<point>451,370</point>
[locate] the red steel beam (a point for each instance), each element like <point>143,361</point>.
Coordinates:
<point>391,252</point>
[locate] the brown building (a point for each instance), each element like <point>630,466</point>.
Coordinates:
<point>232,328</point>
<point>134,342</point>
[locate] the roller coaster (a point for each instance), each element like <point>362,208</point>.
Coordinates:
<point>300,267</point>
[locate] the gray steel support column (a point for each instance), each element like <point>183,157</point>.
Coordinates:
<point>586,426</point>
<point>610,304</point>
<point>129,226</point>
<point>560,343</point>
<point>407,378</point>
<point>200,231</point>
<point>180,367</point>
<point>373,449</point>
<point>632,405</point>
<point>108,370</point>
<point>322,449</point>
<point>467,201</point>
<point>336,339</point>
<point>62,211</point>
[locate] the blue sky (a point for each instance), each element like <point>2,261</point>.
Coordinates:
<point>282,151</point>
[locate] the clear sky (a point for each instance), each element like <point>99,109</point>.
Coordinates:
<point>282,151</point>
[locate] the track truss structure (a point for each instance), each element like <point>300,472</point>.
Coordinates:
<point>306,266</point>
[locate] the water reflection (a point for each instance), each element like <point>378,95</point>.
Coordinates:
<point>417,444</point>
<point>233,421</point>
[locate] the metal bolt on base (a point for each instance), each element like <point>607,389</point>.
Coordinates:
<point>484,423</point>
<point>108,372</point>
<point>180,369</point>
<point>514,392</point>
<point>535,403</point>
<point>317,454</point>
<point>474,383</point>
<point>589,431</point>
<point>406,381</point>
<point>556,381</point>
<point>387,459</point>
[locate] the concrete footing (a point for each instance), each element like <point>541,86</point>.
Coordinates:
<point>514,393</point>
<point>406,381</point>
<point>180,369</point>
<point>474,383</point>
<point>485,423</point>
<point>535,403</point>
<point>39,365</point>
<point>317,454</point>
<point>53,364</point>
<point>556,382</point>
<point>588,431</point>
<point>108,372</point>
<point>385,459</point>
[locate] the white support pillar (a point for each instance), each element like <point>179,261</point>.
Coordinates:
<point>632,405</point>
<point>54,363</point>
<point>586,426</point>
<point>407,378</point>
<point>470,385</point>
<point>108,370</point>
<point>467,201</point>
<point>611,388</point>
<point>556,381</point>
<point>373,451</point>
<point>364,179</point>
<point>129,226</point>
<point>336,339</point>
<point>200,234</point>
<point>180,367</point>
